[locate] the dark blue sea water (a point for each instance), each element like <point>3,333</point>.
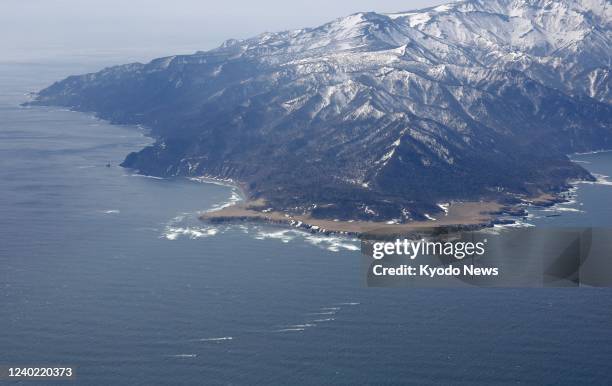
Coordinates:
<point>113,273</point>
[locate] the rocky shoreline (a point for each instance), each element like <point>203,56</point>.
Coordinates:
<point>244,213</point>
<point>461,216</point>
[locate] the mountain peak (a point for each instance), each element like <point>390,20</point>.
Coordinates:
<point>389,112</point>
<point>557,22</point>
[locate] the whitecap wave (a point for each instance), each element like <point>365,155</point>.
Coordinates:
<point>221,339</point>
<point>601,179</point>
<point>333,244</point>
<point>330,243</point>
<point>563,209</point>
<point>111,211</point>
<point>173,233</point>
<point>305,325</point>
<point>285,235</point>
<point>323,320</point>
<point>215,181</point>
<point>498,228</point>
<point>594,152</point>
<point>323,313</point>
<point>290,330</point>
<point>233,200</point>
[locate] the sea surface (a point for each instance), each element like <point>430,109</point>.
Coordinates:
<point>112,273</point>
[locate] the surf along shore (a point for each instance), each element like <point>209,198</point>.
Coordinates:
<point>468,215</point>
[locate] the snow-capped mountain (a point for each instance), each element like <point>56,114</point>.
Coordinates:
<point>565,44</point>
<point>377,116</point>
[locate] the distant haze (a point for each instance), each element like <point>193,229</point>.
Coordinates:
<point>40,30</point>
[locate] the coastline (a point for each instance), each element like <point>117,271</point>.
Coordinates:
<point>467,215</point>
<point>228,182</point>
<point>458,216</point>
<point>461,215</point>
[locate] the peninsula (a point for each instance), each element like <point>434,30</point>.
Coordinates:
<point>376,118</point>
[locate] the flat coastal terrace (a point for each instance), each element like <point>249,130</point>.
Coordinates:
<point>461,214</point>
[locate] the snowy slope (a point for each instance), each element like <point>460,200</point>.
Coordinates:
<point>393,112</point>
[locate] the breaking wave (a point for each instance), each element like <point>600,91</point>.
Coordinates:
<point>233,200</point>
<point>601,179</point>
<point>173,233</point>
<point>175,229</point>
<point>330,243</point>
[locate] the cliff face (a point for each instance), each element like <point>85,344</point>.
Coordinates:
<point>376,116</point>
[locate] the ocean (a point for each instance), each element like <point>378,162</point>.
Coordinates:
<point>112,273</point>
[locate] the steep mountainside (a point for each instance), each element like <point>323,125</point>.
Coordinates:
<point>377,116</point>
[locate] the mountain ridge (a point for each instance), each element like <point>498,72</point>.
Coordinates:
<point>376,116</point>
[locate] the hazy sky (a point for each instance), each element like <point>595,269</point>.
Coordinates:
<point>140,30</point>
